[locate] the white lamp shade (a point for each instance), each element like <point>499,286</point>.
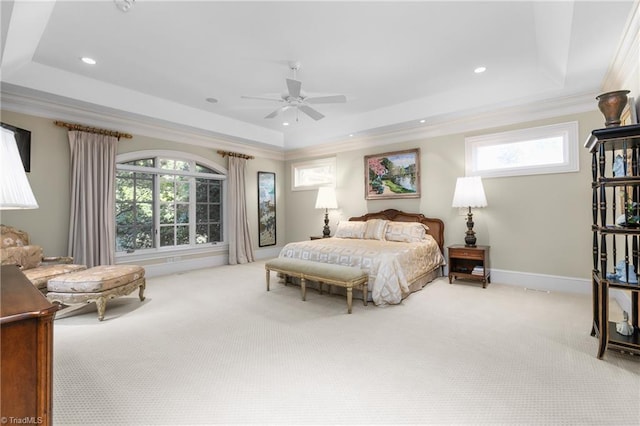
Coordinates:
<point>469,192</point>
<point>326,198</point>
<point>15,191</point>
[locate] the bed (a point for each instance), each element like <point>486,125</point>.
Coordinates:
<point>400,251</point>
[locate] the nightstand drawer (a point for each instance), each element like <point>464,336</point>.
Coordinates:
<point>466,253</point>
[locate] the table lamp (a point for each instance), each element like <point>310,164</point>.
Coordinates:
<point>15,191</point>
<point>326,200</point>
<point>469,193</point>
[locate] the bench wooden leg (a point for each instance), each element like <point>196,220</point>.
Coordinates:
<point>349,298</point>
<point>268,277</point>
<point>303,288</point>
<point>141,291</point>
<point>365,293</point>
<point>101,303</point>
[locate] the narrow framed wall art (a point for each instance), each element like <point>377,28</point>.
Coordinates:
<point>266,209</point>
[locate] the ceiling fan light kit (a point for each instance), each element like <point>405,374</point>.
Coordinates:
<point>295,98</point>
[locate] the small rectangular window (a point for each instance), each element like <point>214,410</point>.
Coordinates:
<point>313,174</point>
<point>537,150</point>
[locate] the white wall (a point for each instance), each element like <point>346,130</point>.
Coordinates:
<point>536,224</point>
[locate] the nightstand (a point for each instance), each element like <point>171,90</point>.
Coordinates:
<point>470,263</point>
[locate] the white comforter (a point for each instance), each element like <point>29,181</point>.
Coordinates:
<point>392,266</point>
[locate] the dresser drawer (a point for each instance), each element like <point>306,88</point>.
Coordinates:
<point>464,253</point>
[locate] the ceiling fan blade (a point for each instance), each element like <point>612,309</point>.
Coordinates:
<point>316,115</point>
<point>278,111</point>
<point>261,98</point>
<point>294,87</point>
<point>274,113</point>
<point>334,99</point>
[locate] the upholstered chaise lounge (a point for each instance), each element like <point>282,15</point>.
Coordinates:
<point>17,250</point>
<point>97,284</point>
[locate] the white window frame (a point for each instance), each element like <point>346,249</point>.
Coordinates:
<point>324,170</point>
<point>171,254</point>
<point>567,131</point>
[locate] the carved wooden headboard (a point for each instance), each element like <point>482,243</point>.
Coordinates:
<point>436,226</point>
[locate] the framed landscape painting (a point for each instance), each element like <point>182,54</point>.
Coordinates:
<point>392,175</point>
<point>266,209</point>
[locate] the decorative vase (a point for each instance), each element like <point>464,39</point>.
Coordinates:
<point>611,105</point>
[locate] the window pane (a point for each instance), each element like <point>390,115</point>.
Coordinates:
<point>214,231</point>
<point>536,150</point>
<point>182,233</point>
<point>166,236</point>
<point>144,238</point>
<point>134,212</point>
<point>201,213</point>
<point>182,191</point>
<point>214,191</point>
<point>204,169</point>
<point>124,188</point>
<point>144,190</point>
<point>167,214</point>
<point>167,189</point>
<point>202,234</point>
<point>201,191</point>
<point>145,214</point>
<point>145,162</point>
<point>182,213</point>
<point>521,154</point>
<point>214,213</point>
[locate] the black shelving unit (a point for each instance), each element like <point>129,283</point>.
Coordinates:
<point>616,230</point>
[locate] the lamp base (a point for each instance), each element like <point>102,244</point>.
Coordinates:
<point>470,238</point>
<point>326,232</point>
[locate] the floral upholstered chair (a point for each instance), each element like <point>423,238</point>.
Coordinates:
<point>16,250</point>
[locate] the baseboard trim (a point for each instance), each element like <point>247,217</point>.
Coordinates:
<point>158,269</point>
<point>542,282</point>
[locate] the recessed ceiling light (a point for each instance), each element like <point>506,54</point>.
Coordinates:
<point>87,60</point>
<point>285,124</point>
<point>423,120</point>
<point>480,70</point>
<point>212,100</point>
<point>351,135</point>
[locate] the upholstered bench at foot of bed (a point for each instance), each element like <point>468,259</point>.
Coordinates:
<point>97,284</point>
<point>344,276</point>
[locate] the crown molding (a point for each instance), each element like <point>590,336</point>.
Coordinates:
<point>627,56</point>
<point>454,123</point>
<point>97,116</point>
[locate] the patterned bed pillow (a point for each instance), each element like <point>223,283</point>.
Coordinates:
<point>406,232</point>
<point>375,229</point>
<point>350,230</point>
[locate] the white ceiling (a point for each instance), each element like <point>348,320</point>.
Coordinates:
<point>396,62</point>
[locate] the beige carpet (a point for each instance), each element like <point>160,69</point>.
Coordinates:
<point>213,347</point>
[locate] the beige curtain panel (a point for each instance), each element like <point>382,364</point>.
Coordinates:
<point>91,221</point>
<point>240,244</point>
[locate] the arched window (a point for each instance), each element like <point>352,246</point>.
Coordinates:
<point>167,200</point>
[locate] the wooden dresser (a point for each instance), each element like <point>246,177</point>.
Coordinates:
<point>26,350</point>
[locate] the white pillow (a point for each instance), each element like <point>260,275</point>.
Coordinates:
<point>375,229</point>
<point>350,229</point>
<point>406,232</point>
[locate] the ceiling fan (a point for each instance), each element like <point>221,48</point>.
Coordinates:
<point>294,97</point>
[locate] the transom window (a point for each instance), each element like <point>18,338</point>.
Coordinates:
<point>538,150</point>
<point>165,202</point>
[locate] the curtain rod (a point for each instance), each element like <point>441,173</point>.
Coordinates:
<point>236,154</point>
<point>82,128</point>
